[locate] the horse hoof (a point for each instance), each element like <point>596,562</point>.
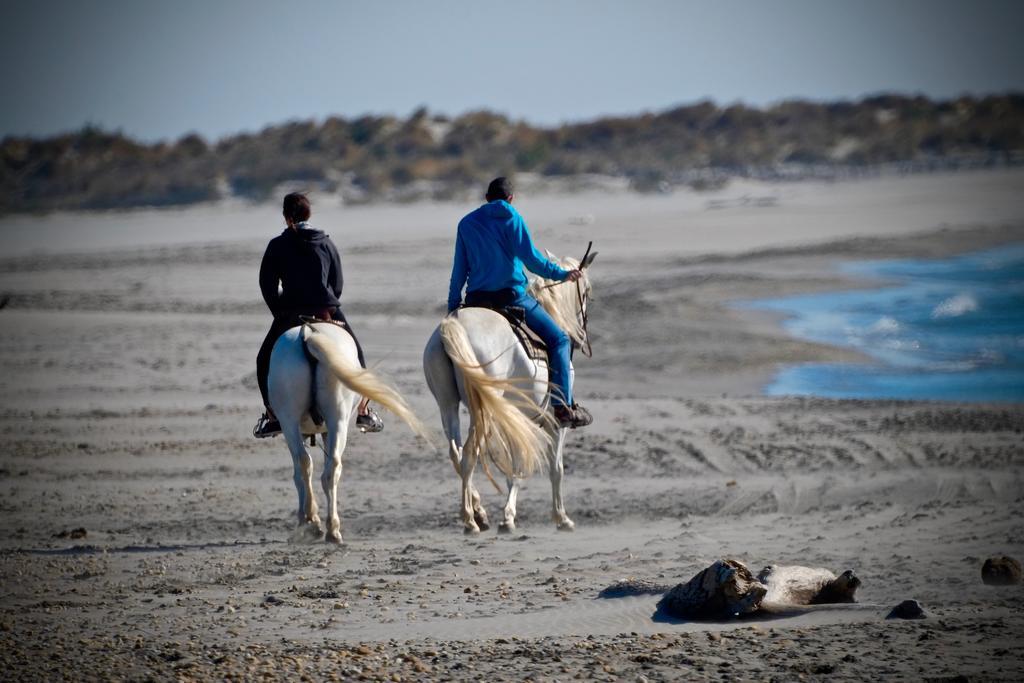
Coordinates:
<point>471,530</point>
<point>481,521</point>
<point>506,527</point>
<point>334,538</point>
<point>567,525</point>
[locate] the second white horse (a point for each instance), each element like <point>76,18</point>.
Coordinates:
<point>474,358</point>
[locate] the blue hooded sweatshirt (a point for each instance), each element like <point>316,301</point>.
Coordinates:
<point>491,248</point>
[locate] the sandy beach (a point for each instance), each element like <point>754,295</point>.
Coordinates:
<point>147,535</point>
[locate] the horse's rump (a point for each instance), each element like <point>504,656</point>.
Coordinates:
<point>323,346</point>
<point>505,418</point>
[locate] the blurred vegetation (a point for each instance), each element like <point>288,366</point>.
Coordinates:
<point>383,157</point>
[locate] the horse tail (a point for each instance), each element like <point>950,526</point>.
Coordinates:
<point>501,432</point>
<point>360,380</point>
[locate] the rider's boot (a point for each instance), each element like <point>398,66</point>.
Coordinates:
<point>369,421</point>
<point>573,416</point>
<point>266,426</point>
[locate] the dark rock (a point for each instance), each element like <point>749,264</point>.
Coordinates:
<point>1001,571</point>
<point>908,609</point>
<point>324,594</point>
<point>80,532</point>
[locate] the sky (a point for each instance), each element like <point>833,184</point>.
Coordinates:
<point>159,70</point>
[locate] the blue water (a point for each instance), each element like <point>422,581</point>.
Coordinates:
<point>950,329</point>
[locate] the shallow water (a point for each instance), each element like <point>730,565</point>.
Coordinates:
<point>949,329</point>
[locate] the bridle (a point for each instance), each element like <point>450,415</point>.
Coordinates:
<point>585,348</point>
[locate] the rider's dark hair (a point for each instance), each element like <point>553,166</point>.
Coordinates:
<point>500,188</point>
<point>296,207</point>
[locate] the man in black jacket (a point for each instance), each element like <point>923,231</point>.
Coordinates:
<point>306,264</point>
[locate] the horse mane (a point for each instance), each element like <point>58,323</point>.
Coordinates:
<point>562,302</point>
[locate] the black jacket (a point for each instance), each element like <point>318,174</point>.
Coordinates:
<point>306,263</point>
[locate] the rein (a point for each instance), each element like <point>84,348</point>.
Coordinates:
<point>585,348</point>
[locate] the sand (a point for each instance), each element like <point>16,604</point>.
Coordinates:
<point>147,535</point>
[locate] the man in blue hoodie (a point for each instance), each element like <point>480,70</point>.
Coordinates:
<point>306,265</point>
<point>491,249</point>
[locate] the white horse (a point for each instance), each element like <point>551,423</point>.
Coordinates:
<point>339,382</point>
<point>475,359</point>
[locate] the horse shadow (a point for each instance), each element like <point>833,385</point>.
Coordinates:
<point>91,549</point>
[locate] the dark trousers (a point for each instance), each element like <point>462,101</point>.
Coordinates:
<point>282,323</point>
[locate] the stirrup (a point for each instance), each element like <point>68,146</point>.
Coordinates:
<point>370,422</point>
<point>266,427</point>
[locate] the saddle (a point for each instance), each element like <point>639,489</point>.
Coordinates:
<point>532,344</point>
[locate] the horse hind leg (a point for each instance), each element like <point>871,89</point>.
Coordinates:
<point>466,467</point>
<point>508,522</point>
<point>479,511</point>
<point>452,429</point>
<point>439,372</point>
<point>302,474</point>
<point>334,447</point>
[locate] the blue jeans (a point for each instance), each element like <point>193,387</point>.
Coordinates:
<point>538,320</point>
